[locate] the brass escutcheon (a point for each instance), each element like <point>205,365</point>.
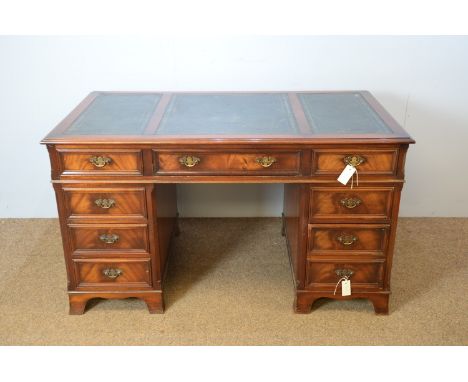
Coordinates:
<point>350,202</point>
<point>344,273</point>
<point>105,203</point>
<point>112,273</point>
<point>354,160</point>
<point>189,161</point>
<point>347,239</point>
<point>109,238</point>
<point>265,161</point>
<point>100,161</point>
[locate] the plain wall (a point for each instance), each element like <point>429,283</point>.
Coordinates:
<point>422,81</point>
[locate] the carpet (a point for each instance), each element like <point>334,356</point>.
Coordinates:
<point>229,283</point>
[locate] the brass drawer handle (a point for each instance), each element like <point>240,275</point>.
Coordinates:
<point>189,161</point>
<point>105,203</point>
<point>109,238</point>
<point>347,239</point>
<point>100,161</point>
<point>265,161</point>
<point>350,202</point>
<point>354,160</point>
<point>112,273</point>
<point>344,273</point>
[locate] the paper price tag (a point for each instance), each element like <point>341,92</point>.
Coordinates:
<point>346,174</point>
<point>346,288</point>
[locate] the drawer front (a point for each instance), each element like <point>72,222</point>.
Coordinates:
<point>115,238</point>
<point>367,162</point>
<point>112,273</point>
<point>358,238</point>
<point>105,202</point>
<point>101,162</point>
<point>252,163</point>
<point>329,203</point>
<point>325,275</point>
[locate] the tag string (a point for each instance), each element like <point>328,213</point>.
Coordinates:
<point>357,178</point>
<point>338,283</point>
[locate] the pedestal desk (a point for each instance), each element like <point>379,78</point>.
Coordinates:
<point>117,157</point>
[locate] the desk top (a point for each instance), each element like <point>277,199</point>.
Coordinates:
<point>228,117</point>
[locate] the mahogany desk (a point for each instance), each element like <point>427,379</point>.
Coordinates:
<point>117,157</point>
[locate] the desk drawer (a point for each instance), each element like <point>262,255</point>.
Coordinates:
<point>105,202</point>
<point>339,203</point>
<point>112,273</point>
<point>212,163</point>
<point>324,275</point>
<point>367,162</point>
<point>108,239</point>
<point>101,161</point>
<point>348,238</point>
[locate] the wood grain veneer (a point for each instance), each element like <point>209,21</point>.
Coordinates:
<point>135,167</point>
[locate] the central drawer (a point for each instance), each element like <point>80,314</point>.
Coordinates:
<point>97,239</point>
<point>224,163</point>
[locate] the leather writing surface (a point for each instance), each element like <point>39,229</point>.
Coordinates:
<point>116,114</point>
<point>341,113</point>
<point>228,114</point>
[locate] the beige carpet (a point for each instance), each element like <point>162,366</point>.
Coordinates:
<point>229,283</point>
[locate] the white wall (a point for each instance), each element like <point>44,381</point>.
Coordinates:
<point>422,81</point>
